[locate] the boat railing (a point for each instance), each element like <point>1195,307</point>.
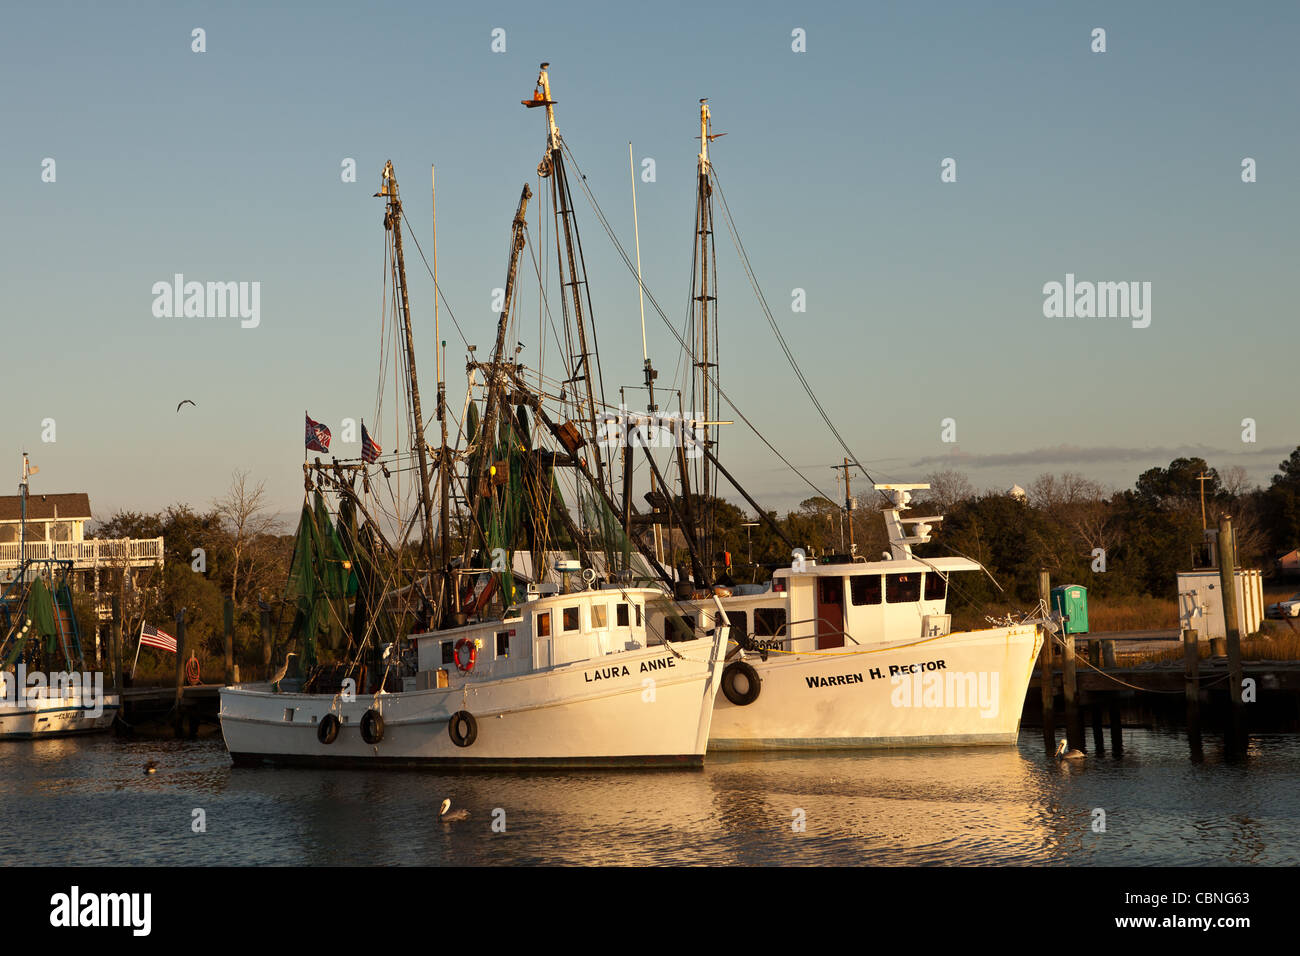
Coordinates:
<point>818,631</point>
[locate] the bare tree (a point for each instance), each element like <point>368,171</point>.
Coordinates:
<point>243,513</point>
<point>947,489</point>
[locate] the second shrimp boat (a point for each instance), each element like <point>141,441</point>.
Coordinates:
<point>861,654</point>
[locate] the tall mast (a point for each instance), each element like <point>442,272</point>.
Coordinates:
<point>446,586</point>
<point>705,268</point>
<point>650,376</point>
<point>393,222</point>
<point>552,166</point>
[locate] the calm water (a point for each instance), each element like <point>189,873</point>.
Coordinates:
<point>88,801</point>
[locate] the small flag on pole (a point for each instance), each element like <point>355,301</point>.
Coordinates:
<point>150,636</point>
<point>369,447</point>
<point>318,436</point>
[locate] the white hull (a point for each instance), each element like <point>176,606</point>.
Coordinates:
<point>563,716</point>
<point>970,689</point>
<point>57,716</point>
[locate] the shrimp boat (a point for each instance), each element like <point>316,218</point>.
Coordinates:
<point>840,654</point>
<point>38,631</point>
<point>474,663</point>
<point>861,654</point>
<point>565,680</point>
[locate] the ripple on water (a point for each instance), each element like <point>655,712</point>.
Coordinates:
<point>89,801</point>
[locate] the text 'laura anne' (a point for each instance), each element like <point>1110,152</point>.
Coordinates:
<point>620,670</point>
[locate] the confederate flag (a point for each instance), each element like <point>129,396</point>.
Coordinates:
<point>318,436</point>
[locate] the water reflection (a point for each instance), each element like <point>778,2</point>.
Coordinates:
<point>87,800</point>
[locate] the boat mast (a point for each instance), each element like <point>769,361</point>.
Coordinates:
<point>494,381</point>
<point>704,267</point>
<point>552,167</point>
<point>446,585</point>
<point>650,376</point>
<point>393,223</point>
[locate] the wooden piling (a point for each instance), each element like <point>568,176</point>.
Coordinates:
<point>115,644</point>
<point>1192,688</point>
<point>1227,577</point>
<point>1116,726</point>
<point>229,616</point>
<point>1108,654</point>
<point>1070,687</point>
<point>180,658</point>
<point>1098,746</point>
<point>1045,666</point>
<point>266,641</point>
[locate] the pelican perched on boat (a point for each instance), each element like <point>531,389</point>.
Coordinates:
<point>1063,754</point>
<point>447,815</point>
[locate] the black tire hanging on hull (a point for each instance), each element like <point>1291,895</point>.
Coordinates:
<point>463,728</point>
<point>372,727</point>
<point>328,730</point>
<point>734,673</point>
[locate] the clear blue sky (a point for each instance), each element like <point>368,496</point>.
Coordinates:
<point>924,298</point>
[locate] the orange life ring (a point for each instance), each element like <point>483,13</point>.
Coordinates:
<point>192,669</point>
<point>473,654</point>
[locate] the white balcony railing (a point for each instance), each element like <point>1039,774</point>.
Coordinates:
<point>94,552</point>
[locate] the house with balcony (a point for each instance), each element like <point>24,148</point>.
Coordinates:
<point>56,528</point>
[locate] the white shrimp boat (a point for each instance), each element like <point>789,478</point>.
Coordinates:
<point>59,714</point>
<point>564,680</point>
<point>861,655</point>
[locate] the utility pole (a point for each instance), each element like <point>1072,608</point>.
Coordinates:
<point>848,502</point>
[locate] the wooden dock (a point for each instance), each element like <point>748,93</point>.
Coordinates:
<point>197,704</point>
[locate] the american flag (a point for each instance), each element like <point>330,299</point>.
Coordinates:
<point>150,636</point>
<point>318,436</point>
<point>369,447</point>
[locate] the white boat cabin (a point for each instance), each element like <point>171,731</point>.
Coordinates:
<point>547,630</point>
<point>846,604</point>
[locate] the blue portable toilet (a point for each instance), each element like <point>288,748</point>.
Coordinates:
<point>1071,602</point>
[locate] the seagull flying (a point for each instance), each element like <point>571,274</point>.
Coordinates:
<point>186,402</point>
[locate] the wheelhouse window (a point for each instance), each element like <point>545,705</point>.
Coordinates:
<point>599,616</point>
<point>638,614</point>
<point>865,589</point>
<point>902,588</point>
<point>571,618</point>
<point>681,628</point>
<point>936,586</point>
<point>448,652</point>
<point>769,622</point>
<point>503,643</point>
<point>543,625</point>
<point>620,615</point>
<point>739,624</point>
<point>831,590</point>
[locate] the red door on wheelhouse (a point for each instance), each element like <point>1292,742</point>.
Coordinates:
<point>830,612</point>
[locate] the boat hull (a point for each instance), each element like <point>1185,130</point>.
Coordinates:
<point>962,689</point>
<point>640,708</point>
<point>63,716</point>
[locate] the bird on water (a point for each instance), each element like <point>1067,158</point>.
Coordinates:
<point>1063,754</point>
<point>151,767</point>
<point>447,815</point>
